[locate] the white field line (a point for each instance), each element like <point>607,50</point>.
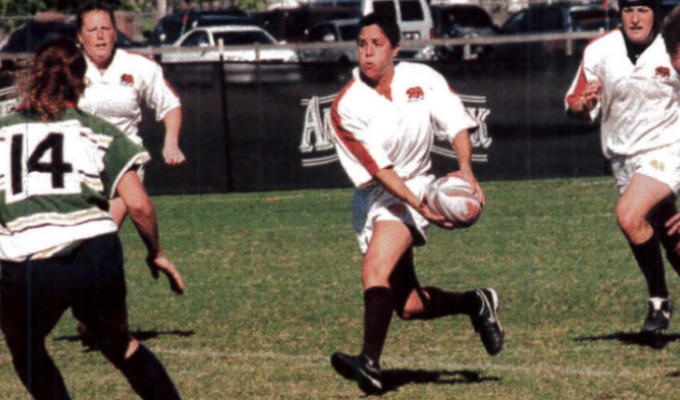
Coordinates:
<point>292,195</point>
<point>413,362</point>
<point>230,198</point>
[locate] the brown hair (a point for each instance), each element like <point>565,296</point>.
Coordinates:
<point>671,30</point>
<point>56,78</point>
<point>88,6</point>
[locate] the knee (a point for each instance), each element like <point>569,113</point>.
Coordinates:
<point>633,224</point>
<point>116,348</point>
<point>375,273</point>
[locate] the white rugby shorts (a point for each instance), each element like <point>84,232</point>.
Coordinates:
<point>374,203</point>
<point>662,164</point>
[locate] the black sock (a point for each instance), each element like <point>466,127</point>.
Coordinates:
<point>648,257</point>
<point>443,303</point>
<point>148,377</point>
<point>378,309</point>
<point>669,244</point>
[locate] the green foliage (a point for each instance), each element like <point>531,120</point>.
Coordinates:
<point>31,7</point>
<point>21,8</point>
<point>274,288</point>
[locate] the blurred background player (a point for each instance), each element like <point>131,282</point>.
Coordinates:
<point>384,123</point>
<point>626,75</point>
<point>671,37</point>
<point>118,81</point>
<point>59,247</point>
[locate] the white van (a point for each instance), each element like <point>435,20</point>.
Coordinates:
<point>413,16</point>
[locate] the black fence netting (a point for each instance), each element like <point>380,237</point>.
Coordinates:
<point>251,127</point>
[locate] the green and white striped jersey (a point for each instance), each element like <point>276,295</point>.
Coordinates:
<point>56,179</point>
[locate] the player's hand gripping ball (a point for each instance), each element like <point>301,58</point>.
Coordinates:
<point>454,199</point>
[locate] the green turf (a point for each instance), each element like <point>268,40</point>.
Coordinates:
<point>274,289</point>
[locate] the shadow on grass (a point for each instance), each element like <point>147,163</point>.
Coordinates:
<point>396,378</point>
<point>90,344</point>
<point>656,341</point>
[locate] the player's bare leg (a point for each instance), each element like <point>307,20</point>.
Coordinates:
<point>633,214</point>
<point>415,303</point>
<point>390,240</point>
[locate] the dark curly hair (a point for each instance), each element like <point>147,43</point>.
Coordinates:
<point>56,79</point>
<point>671,31</point>
<point>386,22</point>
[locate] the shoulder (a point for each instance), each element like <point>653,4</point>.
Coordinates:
<point>605,43</point>
<point>414,73</point>
<point>126,60</point>
<point>13,119</point>
<point>358,103</point>
<point>415,70</point>
<point>129,55</point>
<point>349,96</point>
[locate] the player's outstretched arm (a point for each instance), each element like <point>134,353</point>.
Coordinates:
<point>143,214</point>
<point>172,154</point>
<point>462,146</point>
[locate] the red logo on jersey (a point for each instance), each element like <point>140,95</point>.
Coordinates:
<point>127,79</point>
<point>415,93</point>
<point>663,72</point>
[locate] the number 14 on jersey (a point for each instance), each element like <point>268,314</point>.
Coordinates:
<point>38,160</point>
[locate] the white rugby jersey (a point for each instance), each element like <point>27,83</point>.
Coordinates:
<point>639,103</point>
<point>117,94</point>
<point>371,132</point>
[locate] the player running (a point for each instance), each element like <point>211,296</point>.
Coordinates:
<point>627,77</point>
<point>119,81</point>
<point>59,247</point>
<point>384,123</point>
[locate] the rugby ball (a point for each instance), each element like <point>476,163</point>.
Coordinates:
<point>453,197</point>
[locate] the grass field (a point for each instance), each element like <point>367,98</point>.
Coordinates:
<point>274,289</point>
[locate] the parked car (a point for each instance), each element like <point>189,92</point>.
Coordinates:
<point>333,31</point>
<point>414,20</point>
<point>28,37</point>
<point>172,26</point>
<point>293,25</point>
<point>339,60</point>
<point>554,18</point>
<point>462,21</point>
<point>413,16</point>
<point>345,57</point>
<point>246,62</point>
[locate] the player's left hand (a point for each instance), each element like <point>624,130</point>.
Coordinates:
<point>160,263</point>
<point>434,217</point>
<point>469,177</point>
<point>173,155</point>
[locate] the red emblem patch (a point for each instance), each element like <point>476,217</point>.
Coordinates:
<point>415,93</point>
<point>663,72</point>
<point>127,79</point>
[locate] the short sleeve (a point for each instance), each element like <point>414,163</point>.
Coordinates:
<point>359,135</point>
<point>449,114</point>
<point>157,92</point>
